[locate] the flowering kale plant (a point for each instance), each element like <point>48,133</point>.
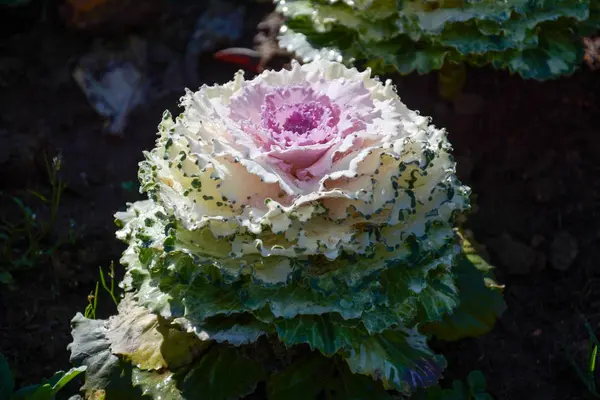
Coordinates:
<point>304,209</point>
<point>536,39</point>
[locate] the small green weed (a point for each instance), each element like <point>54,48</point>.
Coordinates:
<point>26,241</point>
<point>90,309</point>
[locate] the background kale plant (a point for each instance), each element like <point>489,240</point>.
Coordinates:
<point>533,38</point>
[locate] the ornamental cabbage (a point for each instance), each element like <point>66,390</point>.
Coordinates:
<point>303,207</point>
<point>536,39</point>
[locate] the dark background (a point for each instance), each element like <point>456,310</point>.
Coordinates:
<point>529,150</point>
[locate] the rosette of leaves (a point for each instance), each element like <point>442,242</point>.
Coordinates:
<point>533,38</point>
<point>298,231</point>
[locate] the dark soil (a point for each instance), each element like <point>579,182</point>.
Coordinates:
<point>531,156</point>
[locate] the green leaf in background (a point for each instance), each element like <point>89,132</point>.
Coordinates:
<point>481,301</point>
<point>35,392</point>
<point>536,39</point>
<point>43,391</point>
<point>7,383</point>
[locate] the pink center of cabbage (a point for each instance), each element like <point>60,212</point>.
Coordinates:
<point>298,116</point>
<point>295,127</point>
<point>304,119</point>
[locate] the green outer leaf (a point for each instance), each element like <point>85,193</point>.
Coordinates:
<point>222,373</point>
<point>314,375</point>
<point>156,385</point>
<point>61,379</point>
<point>7,383</point>
<point>481,302</point>
<point>302,380</point>
<point>237,329</point>
<point>320,333</point>
<point>139,336</point>
<point>202,293</point>
<point>419,282</point>
<point>105,372</point>
<point>438,298</point>
<point>349,386</point>
<point>399,358</point>
<point>209,375</point>
<point>337,319</point>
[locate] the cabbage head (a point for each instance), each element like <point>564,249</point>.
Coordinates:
<point>298,223</point>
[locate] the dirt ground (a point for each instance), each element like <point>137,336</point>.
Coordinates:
<point>530,153</point>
